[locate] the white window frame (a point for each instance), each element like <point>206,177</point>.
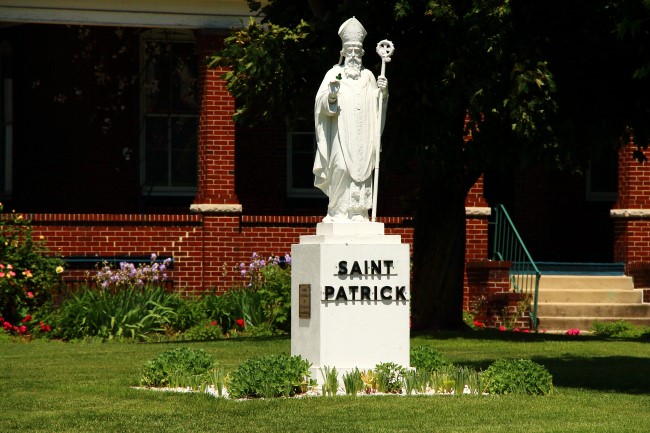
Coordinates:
<point>292,191</point>
<point>175,36</point>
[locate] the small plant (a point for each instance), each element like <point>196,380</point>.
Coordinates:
<point>416,381</point>
<point>517,377</point>
<point>219,379</point>
<point>427,358</point>
<point>269,376</point>
<point>619,329</point>
<point>369,381</point>
<point>389,377</point>
<point>177,367</point>
<point>443,380</point>
<point>330,381</point>
<point>521,308</point>
<point>208,332</point>
<point>353,382</point>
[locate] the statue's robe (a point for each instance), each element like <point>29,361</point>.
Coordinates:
<point>347,134</point>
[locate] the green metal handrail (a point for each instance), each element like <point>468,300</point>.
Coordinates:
<point>508,245</point>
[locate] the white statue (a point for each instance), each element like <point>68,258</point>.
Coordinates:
<point>349,114</point>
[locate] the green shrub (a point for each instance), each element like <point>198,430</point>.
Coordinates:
<point>261,306</point>
<point>619,329</point>
<point>389,377</point>
<point>269,376</point>
<point>275,296</point>
<point>175,364</point>
<point>427,358</point>
<point>131,312</point>
<point>517,377</point>
<point>224,308</point>
<point>29,273</point>
<point>208,331</point>
<point>353,382</point>
<point>189,314</point>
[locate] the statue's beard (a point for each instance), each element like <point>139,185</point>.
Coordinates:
<point>352,68</point>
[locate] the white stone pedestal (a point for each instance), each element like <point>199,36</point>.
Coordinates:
<point>354,307</point>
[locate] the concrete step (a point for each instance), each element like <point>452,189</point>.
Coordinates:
<point>576,301</point>
<point>585,282</point>
<point>603,296</point>
<point>623,311</point>
<point>584,323</point>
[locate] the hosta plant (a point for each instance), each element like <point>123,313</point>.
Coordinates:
<point>522,376</point>
<point>182,366</point>
<point>270,376</point>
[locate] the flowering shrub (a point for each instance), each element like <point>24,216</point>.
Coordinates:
<point>128,275</point>
<point>271,279</point>
<point>256,273</point>
<point>28,272</point>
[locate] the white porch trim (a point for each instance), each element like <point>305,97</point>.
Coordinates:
<point>215,14</point>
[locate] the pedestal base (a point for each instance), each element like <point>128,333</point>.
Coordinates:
<point>350,298</point>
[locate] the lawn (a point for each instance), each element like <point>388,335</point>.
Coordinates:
<point>601,386</point>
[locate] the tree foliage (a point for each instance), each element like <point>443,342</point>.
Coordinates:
<point>530,83</point>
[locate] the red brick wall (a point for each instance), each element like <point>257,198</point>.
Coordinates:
<point>476,233</point>
<point>490,299</point>
<point>207,249</point>
<point>631,225</point>
<point>216,153</point>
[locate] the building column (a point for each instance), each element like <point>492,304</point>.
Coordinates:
<point>477,213</point>
<point>216,141</point>
<point>631,215</point>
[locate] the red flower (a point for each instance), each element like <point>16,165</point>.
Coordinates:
<point>22,329</point>
<point>502,328</point>
<point>215,323</point>
<point>7,326</point>
<point>27,318</point>
<point>479,324</point>
<point>241,323</point>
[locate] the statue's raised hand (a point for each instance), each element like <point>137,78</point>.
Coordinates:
<point>335,85</point>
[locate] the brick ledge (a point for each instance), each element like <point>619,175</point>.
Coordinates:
<point>630,213</point>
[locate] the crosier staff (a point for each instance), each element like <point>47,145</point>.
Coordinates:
<point>385,49</point>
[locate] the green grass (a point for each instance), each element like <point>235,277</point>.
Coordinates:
<point>46,386</point>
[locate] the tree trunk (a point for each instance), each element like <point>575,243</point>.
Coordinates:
<point>439,255</point>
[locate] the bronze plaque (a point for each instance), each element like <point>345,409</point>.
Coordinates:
<point>304,301</point>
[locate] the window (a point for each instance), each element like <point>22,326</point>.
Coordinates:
<point>301,150</point>
<point>6,122</point>
<point>602,179</point>
<point>170,113</point>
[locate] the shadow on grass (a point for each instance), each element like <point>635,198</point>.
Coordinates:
<point>242,339</point>
<point>494,335</point>
<point>624,374</point>
<point>610,373</point>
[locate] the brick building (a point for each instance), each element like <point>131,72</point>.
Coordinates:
<point>117,140</point>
